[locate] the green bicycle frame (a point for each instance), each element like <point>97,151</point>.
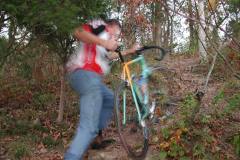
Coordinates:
<point>136,91</point>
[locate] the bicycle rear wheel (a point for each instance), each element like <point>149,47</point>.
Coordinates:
<point>133,135</point>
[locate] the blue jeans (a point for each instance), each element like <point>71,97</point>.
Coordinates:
<point>96,107</point>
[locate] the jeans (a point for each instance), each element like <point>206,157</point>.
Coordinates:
<point>96,107</point>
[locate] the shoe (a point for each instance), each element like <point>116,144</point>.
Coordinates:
<point>99,143</point>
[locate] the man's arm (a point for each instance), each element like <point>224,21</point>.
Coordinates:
<point>87,37</point>
<point>114,55</point>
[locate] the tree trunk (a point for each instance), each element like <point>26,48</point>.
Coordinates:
<point>171,35</point>
<point>192,39</point>
<point>158,24</point>
<point>167,40</point>
<point>62,97</point>
<point>153,23</point>
<point>167,26</point>
<point>2,16</point>
<point>201,32</point>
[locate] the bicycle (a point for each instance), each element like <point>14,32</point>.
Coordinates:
<point>133,114</point>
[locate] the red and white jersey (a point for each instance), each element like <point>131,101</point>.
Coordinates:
<point>90,57</point>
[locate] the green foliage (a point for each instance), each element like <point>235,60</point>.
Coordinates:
<point>233,103</point>
<point>2,133</point>
<point>115,67</point>
<point>3,50</point>
<point>52,22</point>
<point>228,95</point>
<point>19,149</point>
<point>3,46</point>
<point>162,155</point>
<point>42,99</point>
<point>165,133</point>
<point>34,138</point>
<point>184,158</point>
<point>176,150</point>
<point>49,141</point>
<point>5,123</point>
<point>236,143</point>
<point>201,139</point>
<point>234,5</point>
<point>39,127</point>
<point>20,128</point>
<point>53,15</point>
<point>181,124</point>
<point>193,46</point>
<point>234,24</point>
<point>189,102</point>
<point>199,151</point>
<point>189,107</point>
<point>205,119</point>
<point>25,71</point>
<point>203,135</point>
<point>218,97</point>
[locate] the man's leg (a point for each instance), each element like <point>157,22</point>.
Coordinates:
<point>105,117</point>
<point>107,107</point>
<point>88,85</point>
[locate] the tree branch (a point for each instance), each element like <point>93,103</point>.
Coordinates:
<point>199,21</point>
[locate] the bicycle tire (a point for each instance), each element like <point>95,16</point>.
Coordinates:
<point>133,136</point>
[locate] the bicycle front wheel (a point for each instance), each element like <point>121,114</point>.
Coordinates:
<point>133,134</point>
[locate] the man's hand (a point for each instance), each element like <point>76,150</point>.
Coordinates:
<point>135,47</point>
<point>110,44</point>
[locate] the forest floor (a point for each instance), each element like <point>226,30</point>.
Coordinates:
<point>28,129</point>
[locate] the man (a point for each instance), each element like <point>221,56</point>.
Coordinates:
<point>86,68</point>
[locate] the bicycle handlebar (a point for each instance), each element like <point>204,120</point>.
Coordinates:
<point>163,52</point>
<point>161,56</point>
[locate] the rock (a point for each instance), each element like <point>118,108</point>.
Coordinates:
<point>102,155</point>
<point>36,121</point>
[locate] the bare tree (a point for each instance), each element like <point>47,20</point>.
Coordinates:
<point>192,37</point>
<point>157,24</point>
<point>201,31</point>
